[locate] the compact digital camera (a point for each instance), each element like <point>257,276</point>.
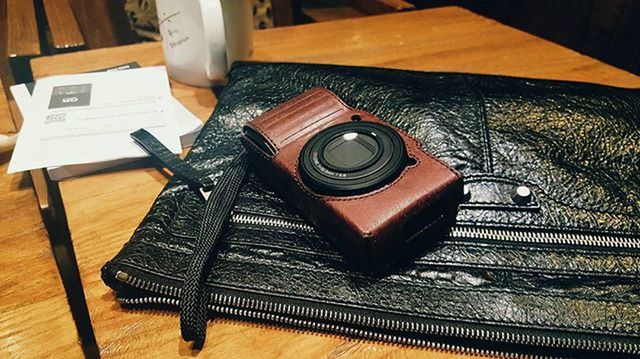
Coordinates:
<point>367,186</point>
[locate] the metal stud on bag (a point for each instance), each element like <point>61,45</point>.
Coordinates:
<point>522,195</point>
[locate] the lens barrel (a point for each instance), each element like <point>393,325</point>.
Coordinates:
<point>352,158</point>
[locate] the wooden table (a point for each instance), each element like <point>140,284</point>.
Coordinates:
<point>33,305</point>
<point>104,209</point>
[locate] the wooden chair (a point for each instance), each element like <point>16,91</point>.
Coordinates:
<point>72,25</point>
<point>381,6</point>
<point>31,28</point>
<point>63,33</point>
<point>20,41</point>
<point>327,10</point>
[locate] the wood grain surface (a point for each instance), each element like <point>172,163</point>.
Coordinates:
<point>22,28</point>
<point>6,121</point>
<point>33,306</point>
<point>381,6</point>
<point>104,209</point>
<point>103,23</point>
<point>63,27</point>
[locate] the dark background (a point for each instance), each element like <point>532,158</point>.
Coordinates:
<point>608,30</point>
<point>605,29</point>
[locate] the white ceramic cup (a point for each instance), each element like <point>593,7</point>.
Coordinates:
<point>202,38</point>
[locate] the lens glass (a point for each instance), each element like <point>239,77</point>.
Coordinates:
<point>352,158</point>
<point>349,151</point>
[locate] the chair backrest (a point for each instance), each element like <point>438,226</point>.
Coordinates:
<point>63,31</point>
<point>7,127</point>
<point>103,23</point>
<point>381,6</point>
<point>19,40</point>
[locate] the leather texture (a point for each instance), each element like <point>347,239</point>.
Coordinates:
<point>575,145</point>
<point>170,160</point>
<point>368,228</point>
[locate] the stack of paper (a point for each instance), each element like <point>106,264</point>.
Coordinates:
<point>78,124</point>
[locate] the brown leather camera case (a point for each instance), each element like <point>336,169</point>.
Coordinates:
<point>372,229</point>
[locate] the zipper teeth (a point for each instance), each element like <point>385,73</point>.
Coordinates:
<point>244,218</point>
<point>149,286</point>
<point>576,239</point>
<point>326,327</point>
<point>544,237</point>
<point>238,303</point>
<point>258,309</point>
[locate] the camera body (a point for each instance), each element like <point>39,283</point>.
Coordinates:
<point>367,186</point>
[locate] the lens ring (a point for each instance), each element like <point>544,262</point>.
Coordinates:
<point>376,151</point>
<point>374,172</point>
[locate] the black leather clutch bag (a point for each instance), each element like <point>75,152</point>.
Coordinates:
<point>544,257</point>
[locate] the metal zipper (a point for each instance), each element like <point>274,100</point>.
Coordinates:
<point>325,327</point>
<point>288,314</point>
<point>577,239</point>
<point>259,220</point>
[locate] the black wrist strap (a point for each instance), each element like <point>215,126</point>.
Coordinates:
<point>170,160</point>
<point>193,297</point>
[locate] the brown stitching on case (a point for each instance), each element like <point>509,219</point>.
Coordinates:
<point>416,142</point>
<point>350,198</point>
<point>313,97</point>
<point>379,190</point>
<point>413,139</point>
<point>294,107</point>
<point>304,188</point>
<point>373,193</point>
<point>279,112</point>
<point>335,97</point>
<point>287,105</point>
<point>311,124</point>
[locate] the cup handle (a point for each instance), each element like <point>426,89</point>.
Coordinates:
<point>215,39</point>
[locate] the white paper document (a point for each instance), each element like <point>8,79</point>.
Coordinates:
<point>188,127</point>
<point>87,118</point>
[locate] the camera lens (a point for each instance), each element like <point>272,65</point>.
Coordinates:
<point>352,158</point>
<point>350,152</point>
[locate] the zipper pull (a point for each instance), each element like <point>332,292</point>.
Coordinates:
<point>122,276</point>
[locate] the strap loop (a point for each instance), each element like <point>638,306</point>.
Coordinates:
<point>193,311</point>
<point>170,160</point>
<point>193,300</point>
